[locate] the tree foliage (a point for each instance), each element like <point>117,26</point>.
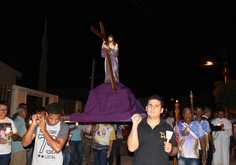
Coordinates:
<point>225,94</point>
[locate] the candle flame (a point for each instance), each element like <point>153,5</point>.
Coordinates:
<point>177,101</point>
<point>8,129</point>
<point>76,124</point>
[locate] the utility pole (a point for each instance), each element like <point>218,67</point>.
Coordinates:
<point>226,70</point>
<point>93,70</point>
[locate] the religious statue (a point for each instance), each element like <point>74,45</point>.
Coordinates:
<point>113,50</point>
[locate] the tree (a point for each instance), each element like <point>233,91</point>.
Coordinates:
<point>225,94</point>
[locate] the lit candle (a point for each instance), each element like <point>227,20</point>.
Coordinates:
<point>30,121</point>
<point>8,129</point>
<point>76,124</point>
<point>218,124</point>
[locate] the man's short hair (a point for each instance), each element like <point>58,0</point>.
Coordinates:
<point>231,114</point>
<point>206,110</point>
<point>3,102</point>
<point>40,109</point>
<point>170,110</point>
<point>221,110</point>
<point>199,106</point>
<point>22,104</point>
<point>33,112</point>
<point>157,97</point>
<point>54,108</point>
<point>188,108</point>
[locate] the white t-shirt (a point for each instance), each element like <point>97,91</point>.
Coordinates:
<point>104,134</point>
<point>43,153</point>
<point>6,123</point>
<point>170,121</point>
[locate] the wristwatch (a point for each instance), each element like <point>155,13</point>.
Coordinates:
<point>171,151</point>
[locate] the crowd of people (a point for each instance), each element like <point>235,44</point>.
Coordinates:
<point>197,139</point>
<point>40,137</point>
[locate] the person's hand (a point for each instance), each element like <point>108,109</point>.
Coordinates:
<point>3,141</point>
<point>136,119</point>
<point>222,125</point>
<point>213,148</point>
<point>75,127</point>
<point>9,134</point>
<point>204,159</point>
<point>42,124</point>
<point>167,147</point>
<point>69,137</point>
<point>104,45</point>
<point>34,119</point>
<point>69,150</point>
<point>83,141</point>
<point>14,137</point>
<point>108,153</point>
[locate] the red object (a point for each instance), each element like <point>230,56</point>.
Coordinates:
<point>176,134</point>
<point>180,118</point>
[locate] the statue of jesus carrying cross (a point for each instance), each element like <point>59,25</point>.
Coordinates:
<point>110,52</point>
<point>113,53</point>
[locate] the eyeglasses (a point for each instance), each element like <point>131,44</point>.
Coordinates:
<point>198,110</point>
<point>3,109</point>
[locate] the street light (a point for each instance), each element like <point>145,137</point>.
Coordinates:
<point>225,74</point>
<point>208,63</point>
<point>226,70</point>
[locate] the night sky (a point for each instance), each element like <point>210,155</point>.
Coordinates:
<point>162,44</point>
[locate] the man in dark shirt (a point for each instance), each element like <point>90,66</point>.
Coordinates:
<point>148,138</point>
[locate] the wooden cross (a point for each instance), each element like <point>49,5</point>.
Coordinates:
<point>102,35</point>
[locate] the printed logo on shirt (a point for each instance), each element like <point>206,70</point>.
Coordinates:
<point>4,127</point>
<point>162,135</point>
<point>101,133</point>
<point>45,151</point>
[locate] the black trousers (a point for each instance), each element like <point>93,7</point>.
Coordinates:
<point>200,157</point>
<point>209,154</point>
<point>208,157</point>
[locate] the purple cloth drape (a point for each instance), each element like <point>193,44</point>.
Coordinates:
<point>105,106</point>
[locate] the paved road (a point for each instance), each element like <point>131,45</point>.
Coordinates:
<point>127,160</point>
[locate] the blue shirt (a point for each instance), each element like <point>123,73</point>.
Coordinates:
<point>76,133</point>
<point>21,130</point>
<point>205,126</point>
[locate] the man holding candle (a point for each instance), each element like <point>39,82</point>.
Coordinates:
<point>50,137</point>
<point>7,128</point>
<point>76,143</point>
<point>148,138</point>
<point>222,139</point>
<point>18,155</point>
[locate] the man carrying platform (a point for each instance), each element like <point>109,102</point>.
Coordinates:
<point>148,137</point>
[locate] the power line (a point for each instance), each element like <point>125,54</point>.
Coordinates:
<point>164,24</point>
<point>190,21</point>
